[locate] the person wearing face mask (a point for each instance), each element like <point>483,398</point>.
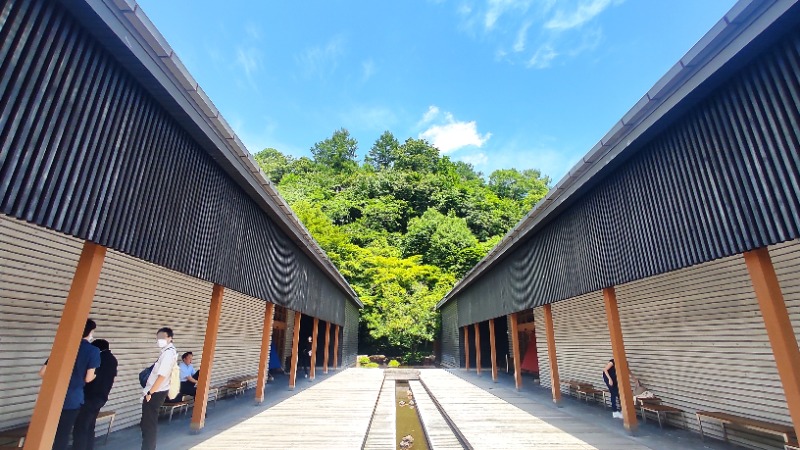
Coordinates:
<point>95,397</point>
<point>305,357</point>
<point>87,361</point>
<point>156,388</point>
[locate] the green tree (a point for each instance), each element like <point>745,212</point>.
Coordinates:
<point>417,155</point>
<point>274,163</point>
<point>381,155</point>
<point>337,152</point>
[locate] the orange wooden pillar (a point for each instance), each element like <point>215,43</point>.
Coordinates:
<point>551,353</point>
<point>515,349</point>
<point>47,411</point>
<point>335,347</point>
<point>494,350</point>
<point>620,359</point>
<point>263,360</point>
<point>466,347</point>
<point>295,350</point>
<point>313,373</point>
<point>327,345</point>
<point>779,327</point>
<point>209,346</point>
<point>477,349</point>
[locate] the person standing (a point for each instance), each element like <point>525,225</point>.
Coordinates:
<point>610,377</point>
<point>87,361</point>
<point>156,388</point>
<point>95,397</point>
<point>305,357</point>
<point>188,375</point>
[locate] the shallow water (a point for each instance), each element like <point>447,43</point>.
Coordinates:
<point>407,419</point>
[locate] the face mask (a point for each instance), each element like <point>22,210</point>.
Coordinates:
<point>90,337</point>
<point>162,343</point>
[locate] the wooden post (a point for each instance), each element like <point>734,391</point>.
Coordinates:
<point>313,373</point>
<point>466,347</point>
<point>620,359</point>
<point>209,346</point>
<point>50,401</point>
<point>295,349</point>
<point>515,349</point>
<point>335,347</point>
<point>263,361</point>
<point>494,350</point>
<point>477,349</point>
<point>327,344</point>
<point>555,381</point>
<point>779,327</point>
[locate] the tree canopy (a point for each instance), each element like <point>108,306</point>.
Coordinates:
<point>403,226</point>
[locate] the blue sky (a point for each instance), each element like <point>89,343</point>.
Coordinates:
<point>497,83</point>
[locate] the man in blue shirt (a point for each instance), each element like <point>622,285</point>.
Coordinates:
<point>86,362</point>
<point>188,375</point>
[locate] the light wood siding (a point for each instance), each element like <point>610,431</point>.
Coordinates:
<point>695,337</point>
<point>133,300</point>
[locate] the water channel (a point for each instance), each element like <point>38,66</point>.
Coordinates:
<point>410,434</point>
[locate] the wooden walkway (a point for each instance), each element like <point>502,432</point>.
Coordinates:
<point>488,422</point>
<point>440,435</point>
<point>383,429</point>
<point>334,414</point>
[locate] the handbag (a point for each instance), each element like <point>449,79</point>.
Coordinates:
<point>145,374</point>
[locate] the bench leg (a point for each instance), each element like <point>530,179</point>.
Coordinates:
<point>659,420</point>
<point>700,423</point>
<point>724,432</point>
<point>108,431</point>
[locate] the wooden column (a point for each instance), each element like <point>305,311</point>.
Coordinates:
<point>335,347</point>
<point>779,327</point>
<point>620,359</point>
<point>50,401</point>
<point>327,344</point>
<point>295,349</point>
<point>494,350</point>
<point>466,347</point>
<point>313,373</point>
<point>263,361</point>
<point>515,350</point>
<point>555,381</point>
<point>209,346</point>
<point>477,349</point>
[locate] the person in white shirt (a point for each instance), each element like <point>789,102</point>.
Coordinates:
<point>156,388</point>
<point>188,375</point>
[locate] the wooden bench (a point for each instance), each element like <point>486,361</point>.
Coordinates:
<point>110,415</point>
<point>785,431</point>
<point>791,445</point>
<point>586,391</point>
<point>658,409</point>
<point>14,436</point>
<point>171,407</point>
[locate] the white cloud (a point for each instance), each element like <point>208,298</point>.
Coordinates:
<point>448,134</point>
<point>586,11</point>
<point>323,59</point>
<point>522,36</point>
<point>543,57</point>
<point>478,159</point>
<point>249,59</point>
<point>367,70</point>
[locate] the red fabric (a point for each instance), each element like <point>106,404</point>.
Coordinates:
<point>530,363</point>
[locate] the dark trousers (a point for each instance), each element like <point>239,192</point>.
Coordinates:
<point>83,432</point>
<point>150,419</point>
<point>64,430</point>
<point>614,392</point>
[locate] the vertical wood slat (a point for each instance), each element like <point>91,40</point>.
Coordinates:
<point>295,350</point>
<point>263,359</point>
<point>477,348</point>
<point>551,353</point>
<point>620,359</point>
<point>466,347</point>
<point>313,374</point>
<point>47,411</point>
<point>779,327</point>
<point>209,348</point>
<point>327,345</point>
<point>514,330</point>
<point>493,345</point>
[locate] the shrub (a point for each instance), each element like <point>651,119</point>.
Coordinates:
<point>371,365</point>
<point>394,363</point>
<point>363,360</point>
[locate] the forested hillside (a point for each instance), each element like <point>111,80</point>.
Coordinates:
<point>402,226</point>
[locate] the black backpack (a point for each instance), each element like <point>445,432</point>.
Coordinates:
<point>145,374</point>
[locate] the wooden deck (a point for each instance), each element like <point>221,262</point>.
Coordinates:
<point>334,414</point>
<point>383,429</point>
<point>440,435</point>
<point>487,422</point>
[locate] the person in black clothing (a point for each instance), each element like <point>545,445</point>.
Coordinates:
<point>95,397</point>
<point>610,377</point>
<point>305,357</point>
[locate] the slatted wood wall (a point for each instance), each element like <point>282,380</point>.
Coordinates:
<point>133,300</point>
<point>695,337</point>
